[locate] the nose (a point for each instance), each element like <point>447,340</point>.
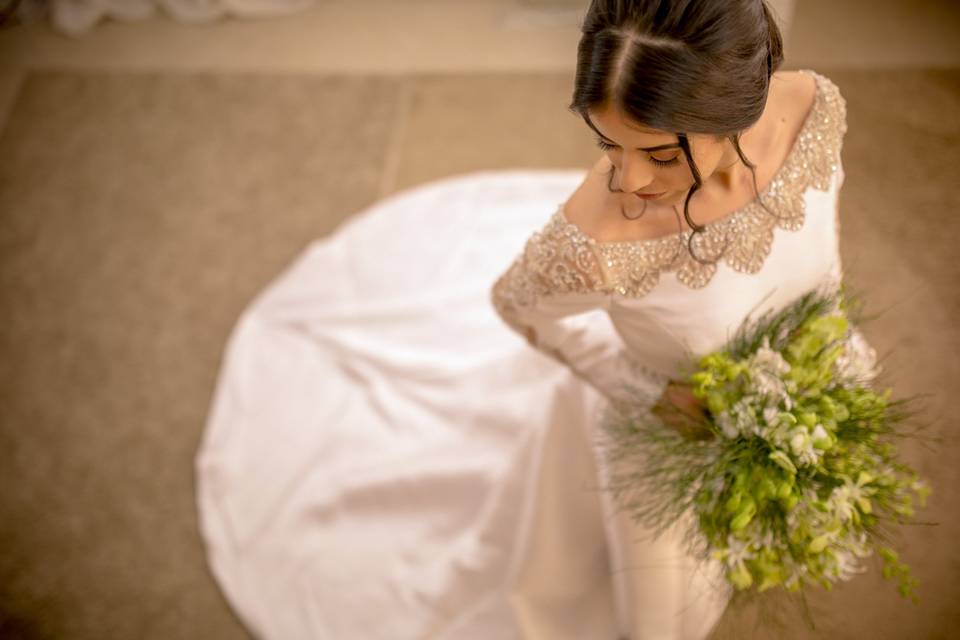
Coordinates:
<point>635,173</point>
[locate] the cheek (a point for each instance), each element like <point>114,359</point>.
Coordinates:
<point>677,176</point>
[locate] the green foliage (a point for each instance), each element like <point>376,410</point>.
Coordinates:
<point>802,471</point>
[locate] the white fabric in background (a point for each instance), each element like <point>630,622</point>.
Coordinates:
<point>76,17</point>
<point>385,459</point>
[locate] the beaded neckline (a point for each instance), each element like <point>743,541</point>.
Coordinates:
<point>743,238</point>
<point>785,168</point>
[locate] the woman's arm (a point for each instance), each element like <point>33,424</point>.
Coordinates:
<point>552,294</point>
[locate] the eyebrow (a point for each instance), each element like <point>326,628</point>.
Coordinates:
<point>672,145</point>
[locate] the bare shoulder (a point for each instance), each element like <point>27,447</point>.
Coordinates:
<point>790,100</point>
<point>596,213</point>
<point>796,92</point>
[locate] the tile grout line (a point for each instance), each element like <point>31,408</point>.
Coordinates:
<point>391,164</point>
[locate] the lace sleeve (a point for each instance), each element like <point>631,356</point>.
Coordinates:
<point>552,295</point>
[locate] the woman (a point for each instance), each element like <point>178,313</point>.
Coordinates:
<point>385,457</point>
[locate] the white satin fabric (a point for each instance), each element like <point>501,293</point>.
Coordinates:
<point>385,458</point>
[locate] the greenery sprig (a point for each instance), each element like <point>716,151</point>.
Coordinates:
<point>801,479</point>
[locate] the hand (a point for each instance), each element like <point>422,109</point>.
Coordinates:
<point>680,410</point>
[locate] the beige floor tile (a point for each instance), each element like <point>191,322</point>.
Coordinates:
<point>481,121</point>
<point>871,34</point>
<point>342,36</point>
<point>141,214</point>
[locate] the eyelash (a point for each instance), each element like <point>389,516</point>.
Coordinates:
<point>662,163</point>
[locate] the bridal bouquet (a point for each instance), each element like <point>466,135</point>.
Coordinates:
<point>800,478</point>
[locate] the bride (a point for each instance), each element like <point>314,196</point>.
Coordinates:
<point>403,439</point>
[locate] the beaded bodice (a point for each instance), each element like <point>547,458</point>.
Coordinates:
<point>560,258</point>
<point>561,274</point>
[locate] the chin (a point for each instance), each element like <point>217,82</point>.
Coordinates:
<point>667,199</point>
<point>673,197</point>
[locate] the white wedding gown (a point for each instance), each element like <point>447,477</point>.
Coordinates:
<point>387,457</point>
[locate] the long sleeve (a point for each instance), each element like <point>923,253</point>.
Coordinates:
<point>552,295</point>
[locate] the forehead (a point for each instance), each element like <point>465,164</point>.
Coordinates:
<point>611,122</point>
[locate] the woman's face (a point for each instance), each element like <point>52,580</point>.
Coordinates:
<point>650,161</point>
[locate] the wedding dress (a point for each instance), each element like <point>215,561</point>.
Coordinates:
<point>402,442</point>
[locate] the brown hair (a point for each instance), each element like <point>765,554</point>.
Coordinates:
<point>699,66</point>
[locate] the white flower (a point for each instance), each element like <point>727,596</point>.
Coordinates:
<point>767,383</point>
<point>766,370</point>
<point>820,436</point>
<point>739,419</point>
<point>769,359</point>
<point>771,415</point>
<point>844,497</point>
<point>727,425</point>
<point>847,565</point>
<point>858,359</point>
<point>801,446</point>
<point>799,441</point>
<point>738,550</point>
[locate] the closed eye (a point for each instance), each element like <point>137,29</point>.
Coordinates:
<point>606,146</point>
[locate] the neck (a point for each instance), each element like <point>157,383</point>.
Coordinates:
<point>731,172</point>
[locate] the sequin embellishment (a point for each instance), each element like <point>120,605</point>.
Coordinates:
<point>560,258</point>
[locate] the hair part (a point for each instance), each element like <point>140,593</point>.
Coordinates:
<point>686,66</point>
